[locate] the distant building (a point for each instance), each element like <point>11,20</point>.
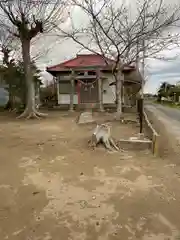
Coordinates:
<point>88,79</point>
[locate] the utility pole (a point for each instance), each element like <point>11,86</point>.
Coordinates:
<point>143,68</point>
<point>140,102</point>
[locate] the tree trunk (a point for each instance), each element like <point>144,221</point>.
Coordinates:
<point>100,91</point>
<point>119,81</point>
<point>10,104</point>
<point>30,110</point>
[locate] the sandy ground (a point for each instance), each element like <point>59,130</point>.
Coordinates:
<point>52,186</point>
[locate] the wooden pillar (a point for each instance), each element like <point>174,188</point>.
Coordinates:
<point>71,107</point>
<point>100,91</point>
<point>78,92</point>
<point>122,94</point>
<point>58,94</point>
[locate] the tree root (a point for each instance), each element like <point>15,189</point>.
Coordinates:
<point>39,114</point>
<point>102,135</point>
<point>33,114</point>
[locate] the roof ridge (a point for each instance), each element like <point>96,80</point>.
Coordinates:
<point>94,59</point>
<point>59,64</point>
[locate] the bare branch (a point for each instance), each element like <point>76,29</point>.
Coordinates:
<point>116,31</point>
<point>125,32</point>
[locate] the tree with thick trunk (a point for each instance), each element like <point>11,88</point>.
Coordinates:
<point>25,20</point>
<point>30,110</point>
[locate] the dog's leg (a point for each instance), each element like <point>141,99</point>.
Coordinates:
<point>111,141</point>
<point>107,145</point>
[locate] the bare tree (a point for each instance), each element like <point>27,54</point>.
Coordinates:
<point>25,20</point>
<point>127,33</point>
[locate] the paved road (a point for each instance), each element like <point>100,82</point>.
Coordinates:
<point>166,121</point>
<point>169,112</point>
<point>168,117</point>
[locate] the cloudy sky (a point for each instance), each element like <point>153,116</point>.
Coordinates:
<point>162,71</point>
<point>156,71</point>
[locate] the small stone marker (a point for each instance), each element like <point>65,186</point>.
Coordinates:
<point>85,117</point>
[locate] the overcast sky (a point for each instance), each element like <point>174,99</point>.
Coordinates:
<point>156,71</point>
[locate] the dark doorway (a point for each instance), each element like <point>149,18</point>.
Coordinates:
<point>89,91</point>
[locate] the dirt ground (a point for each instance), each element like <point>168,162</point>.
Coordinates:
<point>52,186</point>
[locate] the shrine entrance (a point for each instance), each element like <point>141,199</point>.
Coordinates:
<point>88,91</point>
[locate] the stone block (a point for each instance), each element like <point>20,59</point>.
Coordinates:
<point>135,144</point>
<point>85,117</point>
